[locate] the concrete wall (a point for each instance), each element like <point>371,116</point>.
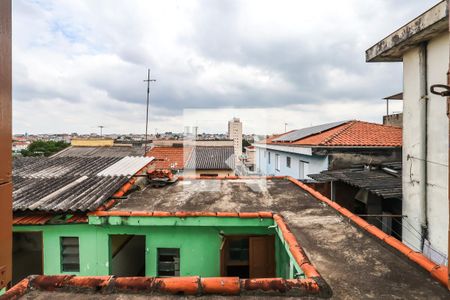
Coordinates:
<point>395,120</point>
<point>199,245</point>
<point>437,184</point>
<point>415,189</point>
<point>316,164</point>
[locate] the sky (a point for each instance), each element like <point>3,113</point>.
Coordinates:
<point>80,64</point>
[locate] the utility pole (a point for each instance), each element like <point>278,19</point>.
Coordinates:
<point>101,130</point>
<point>285,127</point>
<point>148,80</point>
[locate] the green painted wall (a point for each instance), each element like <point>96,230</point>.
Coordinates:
<point>199,242</point>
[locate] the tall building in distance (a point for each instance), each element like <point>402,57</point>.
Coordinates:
<point>235,134</point>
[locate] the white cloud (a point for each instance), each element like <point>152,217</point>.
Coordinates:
<point>79,64</point>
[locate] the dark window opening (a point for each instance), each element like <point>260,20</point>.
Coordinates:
<point>27,255</point>
<point>248,256</point>
<point>209,175</point>
<point>127,254</point>
<point>288,162</point>
<point>168,262</point>
<point>70,254</point>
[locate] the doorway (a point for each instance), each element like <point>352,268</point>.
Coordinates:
<point>27,255</point>
<point>127,255</point>
<point>248,256</point>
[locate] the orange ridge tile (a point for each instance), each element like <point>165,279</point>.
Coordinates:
<point>436,270</point>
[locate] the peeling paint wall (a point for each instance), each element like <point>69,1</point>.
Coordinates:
<point>414,186</point>
<point>199,246</point>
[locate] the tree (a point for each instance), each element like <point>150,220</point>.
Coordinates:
<point>44,148</point>
<point>245,143</point>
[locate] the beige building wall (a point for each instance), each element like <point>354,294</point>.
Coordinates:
<point>92,142</point>
<point>235,134</point>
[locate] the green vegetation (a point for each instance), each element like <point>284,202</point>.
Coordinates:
<point>245,143</point>
<point>44,148</point>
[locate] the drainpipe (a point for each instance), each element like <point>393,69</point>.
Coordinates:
<point>423,68</point>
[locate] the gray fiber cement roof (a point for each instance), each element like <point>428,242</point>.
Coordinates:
<point>70,184</point>
<point>105,151</point>
<point>354,263</point>
<point>211,158</point>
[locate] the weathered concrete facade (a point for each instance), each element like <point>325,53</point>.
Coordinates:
<point>199,241</point>
<point>423,46</point>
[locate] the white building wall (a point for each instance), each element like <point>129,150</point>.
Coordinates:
<point>413,137</point>
<point>414,187</point>
<point>315,164</point>
<point>437,185</point>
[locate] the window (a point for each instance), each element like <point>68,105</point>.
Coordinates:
<point>168,262</point>
<point>70,254</point>
<point>288,162</point>
<point>209,175</point>
<point>269,157</point>
<point>277,162</point>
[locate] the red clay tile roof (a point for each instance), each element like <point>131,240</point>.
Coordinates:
<point>169,157</point>
<point>351,134</point>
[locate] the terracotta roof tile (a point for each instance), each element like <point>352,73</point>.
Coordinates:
<point>351,134</point>
<point>169,157</point>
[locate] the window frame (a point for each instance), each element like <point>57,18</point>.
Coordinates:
<point>277,162</point>
<point>178,250</point>
<point>61,255</point>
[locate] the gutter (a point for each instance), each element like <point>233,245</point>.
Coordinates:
<point>423,69</point>
<point>439,272</point>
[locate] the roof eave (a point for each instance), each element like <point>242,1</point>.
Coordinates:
<point>423,28</point>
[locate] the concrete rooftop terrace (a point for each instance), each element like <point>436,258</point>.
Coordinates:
<point>354,262</point>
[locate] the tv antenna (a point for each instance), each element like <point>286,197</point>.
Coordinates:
<point>148,80</point>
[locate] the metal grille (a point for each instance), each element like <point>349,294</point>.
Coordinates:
<point>168,262</point>
<point>70,254</point>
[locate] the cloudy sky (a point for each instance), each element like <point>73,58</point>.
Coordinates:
<point>79,64</point>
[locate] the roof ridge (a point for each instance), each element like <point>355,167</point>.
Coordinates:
<point>345,125</point>
<point>376,124</point>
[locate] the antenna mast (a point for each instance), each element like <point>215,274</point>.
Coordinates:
<point>148,80</point>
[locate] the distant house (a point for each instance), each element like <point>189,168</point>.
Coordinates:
<point>423,47</point>
<point>329,146</point>
<point>208,158</point>
<point>169,157</point>
<point>249,158</point>
<point>210,161</point>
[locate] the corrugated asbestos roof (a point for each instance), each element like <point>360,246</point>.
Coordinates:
<point>51,167</point>
<point>304,132</point>
<point>105,151</point>
<point>70,184</point>
<point>385,181</point>
<point>126,166</point>
<point>211,158</point>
